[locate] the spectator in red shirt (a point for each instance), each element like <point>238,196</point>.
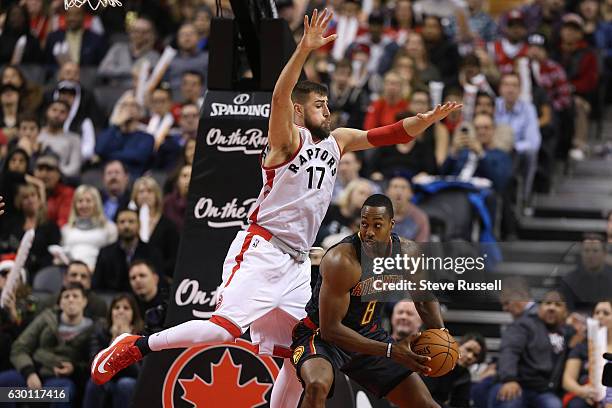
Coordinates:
<point>581,65</point>
<point>506,50</point>
<point>59,196</point>
<point>382,111</point>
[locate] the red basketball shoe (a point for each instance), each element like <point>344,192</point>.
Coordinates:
<point>121,353</point>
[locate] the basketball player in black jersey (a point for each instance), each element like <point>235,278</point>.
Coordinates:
<point>344,332</point>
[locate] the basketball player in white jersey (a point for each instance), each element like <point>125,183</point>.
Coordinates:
<point>266,274</point>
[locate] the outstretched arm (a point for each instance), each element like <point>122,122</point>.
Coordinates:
<point>340,273</point>
<point>400,132</point>
<point>282,133</point>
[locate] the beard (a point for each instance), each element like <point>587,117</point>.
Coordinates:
<point>321,131</point>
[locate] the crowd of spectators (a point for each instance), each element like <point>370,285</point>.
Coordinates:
<point>96,157</point>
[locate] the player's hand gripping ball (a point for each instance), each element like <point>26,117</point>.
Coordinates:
<point>441,347</point>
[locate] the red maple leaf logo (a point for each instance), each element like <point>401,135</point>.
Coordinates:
<point>226,391</point>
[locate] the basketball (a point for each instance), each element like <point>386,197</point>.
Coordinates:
<point>441,347</point>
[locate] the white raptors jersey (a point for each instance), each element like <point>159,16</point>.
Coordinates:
<point>296,193</point>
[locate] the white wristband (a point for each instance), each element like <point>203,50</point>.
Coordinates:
<point>389,346</point>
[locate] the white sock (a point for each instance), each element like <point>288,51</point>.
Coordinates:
<point>287,388</point>
<point>188,334</point>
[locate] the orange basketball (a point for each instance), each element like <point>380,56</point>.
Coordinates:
<point>441,347</point>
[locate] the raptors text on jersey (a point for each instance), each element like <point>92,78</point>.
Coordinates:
<point>296,193</point>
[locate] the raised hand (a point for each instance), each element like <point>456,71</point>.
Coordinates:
<point>439,112</point>
<point>315,29</point>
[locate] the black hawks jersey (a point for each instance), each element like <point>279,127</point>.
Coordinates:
<point>361,316</point>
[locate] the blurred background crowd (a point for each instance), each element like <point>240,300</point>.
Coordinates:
<point>96,157</point>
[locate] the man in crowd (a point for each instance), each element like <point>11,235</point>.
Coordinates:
<point>112,268</point>
<point>123,56</point>
<point>475,155</point>
<point>592,280</point>
<point>78,272</point>
<point>410,221</point>
<point>405,320</point>
<point>116,192</point>
<point>532,357</point>
<point>59,195</point>
<point>65,144</point>
<point>76,43</point>
<point>523,118</point>
<point>144,282</point>
<point>189,57</point>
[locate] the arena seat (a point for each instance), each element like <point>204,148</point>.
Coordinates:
<point>572,205</point>
<point>450,214</point>
<point>48,280</point>
<point>34,73</point>
<point>107,96</point>
<point>558,228</point>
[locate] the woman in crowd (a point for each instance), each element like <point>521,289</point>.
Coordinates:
<point>185,159</point>
<point>404,66</point>
<point>453,389</point>
<point>31,93</point>
<point>175,203</point>
<point>382,112</point>
<point>53,350</point>
<point>87,230</point>
<point>10,108</point>
<point>576,375</point>
<point>16,27</point>
<point>160,231</point>
<point>123,317</point>
<point>13,173</point>
<point>30,213</point>
<point>415,49</point>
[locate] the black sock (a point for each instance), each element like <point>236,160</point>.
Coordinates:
<point>143,345</point>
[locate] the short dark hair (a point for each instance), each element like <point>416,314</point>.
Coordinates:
<point>380,200</point>
<point>376,19</point>
<point>123,166</point>
<point>508,74</point>
<point>164,87</point>
<point>61,102</point>
<point>481,94</point>
<point>421,90</point>
<point>72,286</point>
<point>126,209</point>
<point>470,60</point>
<point>478,338</point>
<point>144,262</point>
<point>77,262</point>
<point>28,117</point>
<point>195,73</point>
<point>593,236</point>
<point>304,88</point>
<point>550,292</point>
<point>344,63</point>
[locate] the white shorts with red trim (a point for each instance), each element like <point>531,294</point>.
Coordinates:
<point>264,289</point>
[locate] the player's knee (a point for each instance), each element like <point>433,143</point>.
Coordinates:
<point>317,389</point>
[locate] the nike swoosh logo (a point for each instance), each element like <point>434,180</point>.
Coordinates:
<point>101,369</point>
